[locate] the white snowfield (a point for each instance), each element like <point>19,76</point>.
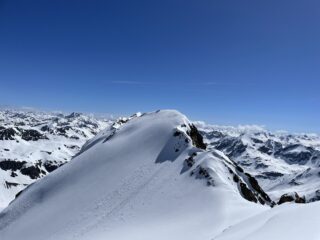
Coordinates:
<point>288,221</point>
<point>132,182</point>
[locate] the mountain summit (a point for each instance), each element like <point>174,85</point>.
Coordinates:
<point>137,179</point>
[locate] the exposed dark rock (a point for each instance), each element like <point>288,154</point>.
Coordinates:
<point>261,165</point>
<point>231,146</point>
<point>33,172</point>
<point>238,168</point>
<point>213,134</point>
<point>247,193</point>
<point>32,135</point>
<point>189,162</point>
<point>51,166</point>
<point>290,198</point>
<point>256,140</point>
<point>202,173</point>
<point>265,149</point>
<point>299,199</point>
<point>293,182</point>
<point>245,163</point>
<point>73,115</point>
<point>255,185</point>
<point>196,137</point>
<point>17,195</point>
<point>11,165</point>
<point>298,157</point>
<point>316,196</point>
<point>272,174</point>
<point>71,146</point>
<point>10,184</point>
<point>45,128</point>
<point>270,147</point>
<point>261,201</point>
<point>235,178</point>
<point>62,131</point>
<point>7,134</point>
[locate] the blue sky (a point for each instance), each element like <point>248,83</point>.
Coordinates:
<point>225,62</point>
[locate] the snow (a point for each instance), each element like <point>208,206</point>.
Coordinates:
<point>285,222</point>
<point>57,148</point>
<point>290,176</point>
<point>129,187</point>
<point>131,182</point>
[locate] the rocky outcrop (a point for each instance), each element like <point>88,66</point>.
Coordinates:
<point>51,166</point>
<point>32,135</point>
<point>255,185</point>
<point>293,197</point>
<point>10,184</point>
<point>292,155</point>
<point>32,171</point>
<point>12,165</point>
<point>231,146</point>
<point>203,173</point>
<point>247,193</point>
<point>196,137</point>
<point>7,134</point>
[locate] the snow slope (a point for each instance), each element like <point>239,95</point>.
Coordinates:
<point>147,178</point>
<point>285,222</point>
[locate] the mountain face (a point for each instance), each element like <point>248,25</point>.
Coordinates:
<point>287,166</point>
<point>150,177</point>
<point>33,144</point>
<point>154,176</point>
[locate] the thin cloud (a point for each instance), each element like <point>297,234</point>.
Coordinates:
<point>128,82</point>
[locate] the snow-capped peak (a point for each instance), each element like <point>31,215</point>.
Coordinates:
<point>152,165</point>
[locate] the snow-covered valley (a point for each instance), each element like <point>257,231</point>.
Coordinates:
<point>156,176</point>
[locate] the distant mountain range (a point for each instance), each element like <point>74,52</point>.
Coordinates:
<point>283,164</point>
<point>33,144</point>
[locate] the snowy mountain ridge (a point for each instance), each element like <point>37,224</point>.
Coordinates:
<point>160,176</point>
<point>152,165</point>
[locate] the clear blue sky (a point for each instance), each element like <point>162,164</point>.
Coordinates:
<point>221,61</point>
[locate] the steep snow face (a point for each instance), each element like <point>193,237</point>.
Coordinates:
<point>282,163</point>
<point>140,179</point>
<point>33,144</point>
<point>285,222</point>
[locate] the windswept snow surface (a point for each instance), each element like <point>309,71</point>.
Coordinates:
<point>285,222</point>
<point>131,182</point>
